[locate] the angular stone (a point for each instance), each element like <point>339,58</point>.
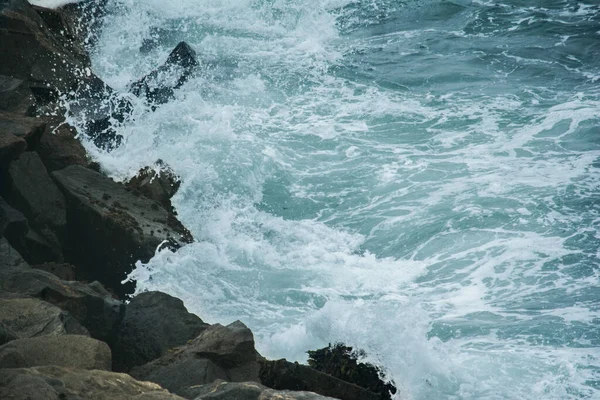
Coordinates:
<point>220,352</point>
<point>15,96</point>
<point>221,390</point>
<point>28,317</point>
<point>159,85</point>
<point>37,248</point>
<point>6,334</point>
<point>159,186</point>
<point>113,227</point>
<point>59,383</point>
<point>71,351</point>
<point>11,147</point>
<point>285,375</point>
<point>10,259</point>
<point>154,322</point>
<point>58,148</point>
<point>28,128</point>
<point>13,224</point>
<point>62,271</point>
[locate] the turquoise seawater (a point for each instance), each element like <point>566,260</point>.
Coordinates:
<point>420,179</point>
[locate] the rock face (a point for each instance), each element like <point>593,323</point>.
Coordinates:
<point>6,334</point>
<point>113,227</point>
<point>158,186</point>
<point>11,147</point>
<point>13,224</point>
<point>27,318</point>
<point>58,148</point>
<point>221,390</point>
<point>10,259</point>
<point>284,375</point>
<point>220,352</point>
<point>58,383</point>
<point>28,128</point>
<point>154,322</point>
<point>159,85</point>
<point>34,192</point>
<point>71,351</point>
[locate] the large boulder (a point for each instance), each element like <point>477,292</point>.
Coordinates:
<point>158,86</point>
<point>59,383</point>
<point>6,334</point>
<point>58,147</point>
<point>13,224</point>
<point>221,390</point>
<point>220,352</point>
<point>28,128</point>
<point>154,322</point>
<point>36,194</point>
<point>15,96</point>
<point>63,271</point>
<point>11,147</point>
<point>28,317</point>
<point>72,351</point>
<point>285,375</point>
<point>158,184</point>
<point>10,259</point>
<point>113,226</point>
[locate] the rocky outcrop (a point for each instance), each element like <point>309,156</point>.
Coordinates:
<point>58,148</point>
<point>220,352</point>
<point>59,383</point>
<point>113,227</point>
<point>28,317</point>
<point>221,390</point>
<point>154,322</point>
<point>158,184</point>
<point>285,375</point>
<point>158,86</point>
<point>72,351</point>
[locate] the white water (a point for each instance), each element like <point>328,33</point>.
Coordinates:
<point>401,177</point>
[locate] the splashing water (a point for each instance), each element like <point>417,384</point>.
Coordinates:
<point>416,178</point>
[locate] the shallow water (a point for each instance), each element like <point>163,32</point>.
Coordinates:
<point>416,178</point>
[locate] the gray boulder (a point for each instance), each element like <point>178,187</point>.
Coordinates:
<point>28,317</point>
<point>58,148</point>
<point>158,186</point>
<point>11,147</point>
<point>13,224</point>
<point>154,322</point>
<point>113,227</point>
<point>71,351</point>
<point>221,390</point>
<point>28,128</point>
<point>59,383</point>
<point>10,259</point>
<point>6,334</point>
<point>220,352</point>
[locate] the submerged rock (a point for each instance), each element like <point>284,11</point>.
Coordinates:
<point>112,227</point>
<point>59,383</point>
<point>72,351</point>
<point>154,322</point>
<point>159,85</point>
<point>220,352</point>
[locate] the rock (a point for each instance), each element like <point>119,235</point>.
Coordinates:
<point>159,186</point>
<point>284,375</point>
<point>10,259</point>
<point>59,383</point>
<point>220,352</point>
<point>37,249</point>
<point>58,148</point>
<point>36,194</point>
<point>113,227</point>
<point>159,85</point>
<point>15,96</point>
<point>86,18</point>
<point>154,322</point>
<point>90,304</point>
<point>27,318</point>
<point>13,224</point>
<point>11,147</point>
<point>72,351</point>
<point>28,128</point>
<point>221,390</point>
<point>62,271</point>
<point>341,361</point>
<point>6,334</point>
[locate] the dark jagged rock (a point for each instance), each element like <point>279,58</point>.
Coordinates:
<point>86,18</point>
<point>158,186</point>
<point>154,322</point>
<point>285,375</point>
<point>29,317</point>
<point>90,305</point>
<point>10,259</point>
<point>63,271</point>
<point>6,334</point>
<point>159,85</point>
<point>15,96</point>
<point>36,194</point>
<point>59,383</point>
<point>28,128</point>
<point>221,390</point>
<point>113,227</point>
<point>11,147</point>
<point>13,224</point>
<point>72,351</point>
<point>220,352</point>
<point>37,248</point>
<point>58,148</point>
<point>342,362</point>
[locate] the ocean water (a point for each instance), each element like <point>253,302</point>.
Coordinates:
<point>420,179</point>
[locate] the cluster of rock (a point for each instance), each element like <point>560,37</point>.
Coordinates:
<point>70,235</point>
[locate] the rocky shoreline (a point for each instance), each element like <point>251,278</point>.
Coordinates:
<point>70,235</point>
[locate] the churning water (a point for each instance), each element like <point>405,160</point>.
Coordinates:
<point>420,179</point>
